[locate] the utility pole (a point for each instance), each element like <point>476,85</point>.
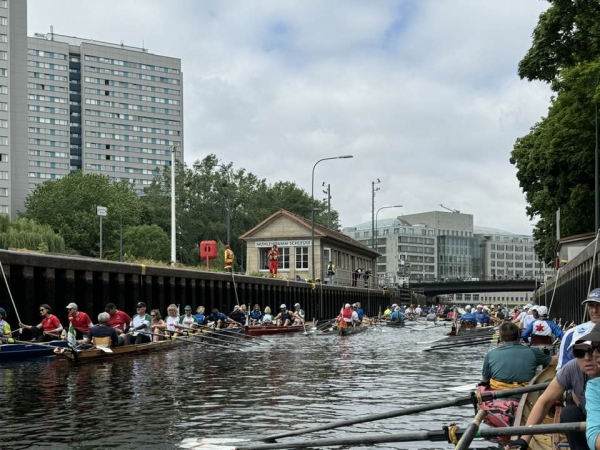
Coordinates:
<point>373,190</point>
<point>328,193</point>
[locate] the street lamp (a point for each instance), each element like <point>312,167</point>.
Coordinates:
<point>173,233</point>
<point>384,207</point>
<point>373,190</point>
<point>312,202</point>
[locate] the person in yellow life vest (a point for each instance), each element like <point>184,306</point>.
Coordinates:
<point>331,272</point>
<point>229,257</point>
<point>5,331</point>
<point>273,257</point>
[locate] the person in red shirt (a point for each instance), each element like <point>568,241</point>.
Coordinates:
<point>80,320</point>
<point>48,329</point>
<point>119,320</point>
<point>273,256</point>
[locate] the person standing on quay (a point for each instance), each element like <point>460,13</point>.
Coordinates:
<point>273,256</point>
<point>229,256</point>
<point>331,272</point>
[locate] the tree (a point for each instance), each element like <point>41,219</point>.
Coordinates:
<point>69,206</point>
<point>27,234</point>
<point>568,33</point>
<point>147,241</point>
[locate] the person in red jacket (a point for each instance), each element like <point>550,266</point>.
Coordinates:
<point>273,256</point>
<point>48,329</point>
<point>80,320</point>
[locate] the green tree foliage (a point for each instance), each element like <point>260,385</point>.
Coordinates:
<point>205,193</point>
<point>567,33</point>
<point>27,234</point>
<point>555,160</point>
<point>147,242</point>
<point>69,206</point>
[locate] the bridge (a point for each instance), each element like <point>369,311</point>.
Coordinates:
<point>431,289</point>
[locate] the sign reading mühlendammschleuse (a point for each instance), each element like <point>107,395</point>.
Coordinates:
<point>290,243</point>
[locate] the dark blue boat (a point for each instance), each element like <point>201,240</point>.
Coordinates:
<point>20,352</point>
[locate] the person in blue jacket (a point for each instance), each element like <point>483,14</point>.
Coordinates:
<point>542,326</point>
<point>360,312</point>
<point>397,315</point>
<point>468,316</point>
<point>218,318</point>
<point>481,316</point>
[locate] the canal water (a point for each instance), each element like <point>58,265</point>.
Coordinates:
<point>162,400</point>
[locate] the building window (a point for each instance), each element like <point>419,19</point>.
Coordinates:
<point>3,192</point>
<point>3,175</point>
<point>3,21</point>
<point>301,258</point>
<point>284,258</point>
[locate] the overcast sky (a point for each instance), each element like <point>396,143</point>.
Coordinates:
<point>423,93</point>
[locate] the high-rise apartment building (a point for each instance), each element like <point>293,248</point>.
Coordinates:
<point>71,104</point>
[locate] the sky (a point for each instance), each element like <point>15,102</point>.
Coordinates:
<point>422,93</point>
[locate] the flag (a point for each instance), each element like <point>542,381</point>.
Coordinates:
<point>71,336</point>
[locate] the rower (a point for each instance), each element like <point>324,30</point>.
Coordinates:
<point>511,364</point>
<point>410,311</point>
<point>528,318</point>
<point>172,320</point>
<point>573,377</point>
<point>481,316</point>
<point>255,315</point>
<point>418,310</point>
<point>237,316</point>
<point>218,318</point>
<point>80,321</point>
<point>592,390</point>
<point>388,311</point>
<point>5,331</point>
<point>199,316</point>
<point>103,330</point>
<point>542,326</point>
<point>468,318</point>
<point>141,325</point>
<point>267,318</point>
<point>187,320</point>
<point>360,312</point>
<point>346,314</point>
<point>48,329</point>
<point>119,320</point>
<point>158,326</point>
<point>284,318</point>
<point>298,315</point>
<point>592,303</point>
<point>397,315</point>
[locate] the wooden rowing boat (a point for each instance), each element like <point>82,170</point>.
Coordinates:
<point>349,330</point>
<point>264,330</point>
<point>540,441</point>
<point>96,354</point>
<point>394,323</point>
<point>21,352</point>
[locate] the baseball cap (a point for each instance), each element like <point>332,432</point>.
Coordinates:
<point>592,336</point>
<point>527,306</point>
<point>297,304</point>
<point>187,308</point>
<point>282,306</point>
<point>347,305</point>
<point>593,296</point>
<point>72,305</point>
<point>236,307</point>
<point>141,305</point>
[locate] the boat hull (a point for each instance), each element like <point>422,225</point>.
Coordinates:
<point>347,331</point>
<point>22,352</point>
<point>264,330</point>
<point>95,354</point>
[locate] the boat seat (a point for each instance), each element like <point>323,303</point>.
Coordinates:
<point>101,341</point>
<point>540,340</point>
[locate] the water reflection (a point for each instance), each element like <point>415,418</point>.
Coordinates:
<point>157,400</point>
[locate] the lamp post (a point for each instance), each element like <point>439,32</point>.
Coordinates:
<point>312,202</point>
<point>173,232</point>
<point>373,190</point>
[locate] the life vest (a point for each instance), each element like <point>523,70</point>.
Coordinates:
<point>228,257</point>
<point>347,314</point>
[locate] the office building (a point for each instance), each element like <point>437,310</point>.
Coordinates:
<point>79,104</point>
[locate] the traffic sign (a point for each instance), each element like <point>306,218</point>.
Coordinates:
<point>101,210</point>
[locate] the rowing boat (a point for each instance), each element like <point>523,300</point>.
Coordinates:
<point>395,323</point>
<point>21,352</point>
<point>96,354</point>
<point>263,330</point>
<point>540,441</point>
<point>349,330</point>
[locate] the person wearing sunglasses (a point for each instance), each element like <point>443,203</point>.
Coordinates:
<point>592,303</point>
<point>574,377</point>
<point>590,344</point>
<point>48,329</point>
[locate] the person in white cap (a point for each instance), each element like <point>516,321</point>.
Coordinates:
<point>529,317</point>
<point>298,315</point>
<point>542,326</point>
<point>80,320</point>
<point>592,302</point>
<point>482,317</point>
<point>284,318</point>
<point>346,313</point>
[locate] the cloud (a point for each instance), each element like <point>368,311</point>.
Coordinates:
<point>424,94</point>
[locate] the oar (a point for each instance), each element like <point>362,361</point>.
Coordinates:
<point>238,338</point>
<point>448,434</point>
<point>39,344</point>
<point>481,397</point>
<point>193,341</point>
<point>471,431</point>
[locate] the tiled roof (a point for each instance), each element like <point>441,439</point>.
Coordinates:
<point>320,230</point>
